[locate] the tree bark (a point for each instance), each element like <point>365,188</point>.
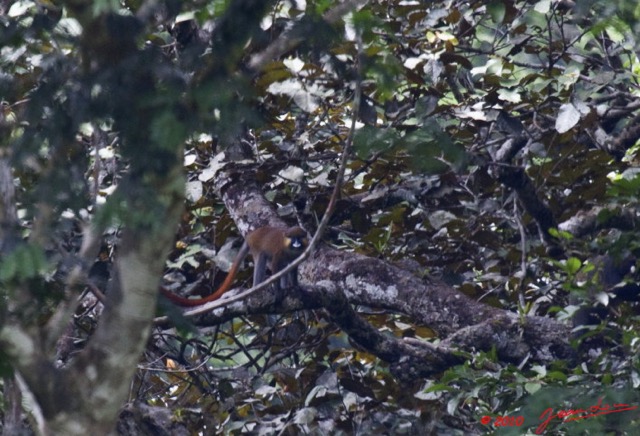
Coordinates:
<point>331,275</point>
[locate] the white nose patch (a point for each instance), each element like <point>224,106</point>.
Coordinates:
<point>296,244</point>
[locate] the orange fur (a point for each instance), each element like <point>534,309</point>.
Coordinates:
<point>273,244</point>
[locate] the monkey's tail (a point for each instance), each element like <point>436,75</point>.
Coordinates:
<point>224,287</point>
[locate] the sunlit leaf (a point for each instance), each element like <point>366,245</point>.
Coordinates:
<point>568,117</point>
<point>532,388</point>
<point>542,6</point>
<point>194,190</point>
<point>573,265</point>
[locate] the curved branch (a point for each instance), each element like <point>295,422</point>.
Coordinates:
<point>598,218</point>
<point>459,320</point>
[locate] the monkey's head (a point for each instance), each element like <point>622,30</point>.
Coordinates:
<point>295,240</point>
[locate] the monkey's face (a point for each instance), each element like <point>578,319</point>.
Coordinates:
<point>296,244</point>
<point>296,240</point>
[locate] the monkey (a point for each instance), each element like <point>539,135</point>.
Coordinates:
<point>266,244</point>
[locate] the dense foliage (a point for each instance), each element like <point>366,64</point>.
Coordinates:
<point>496,149</point>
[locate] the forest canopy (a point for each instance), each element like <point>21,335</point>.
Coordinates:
<point>465,172</point>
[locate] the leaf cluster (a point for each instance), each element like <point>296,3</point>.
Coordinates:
<point>436,184</point>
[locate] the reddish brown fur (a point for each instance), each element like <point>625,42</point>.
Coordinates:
<point>266,243</point>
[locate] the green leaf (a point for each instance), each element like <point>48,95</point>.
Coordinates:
<point>25,262</point>
<point>573,265</point>
<point>433,151</point>
<point>370,139</point>
<point>167,131</point>
<point>532,388</point>
<point>557,375</point>
<point>561,234</point>
<point>8,267</point>
<point>497,11</point>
